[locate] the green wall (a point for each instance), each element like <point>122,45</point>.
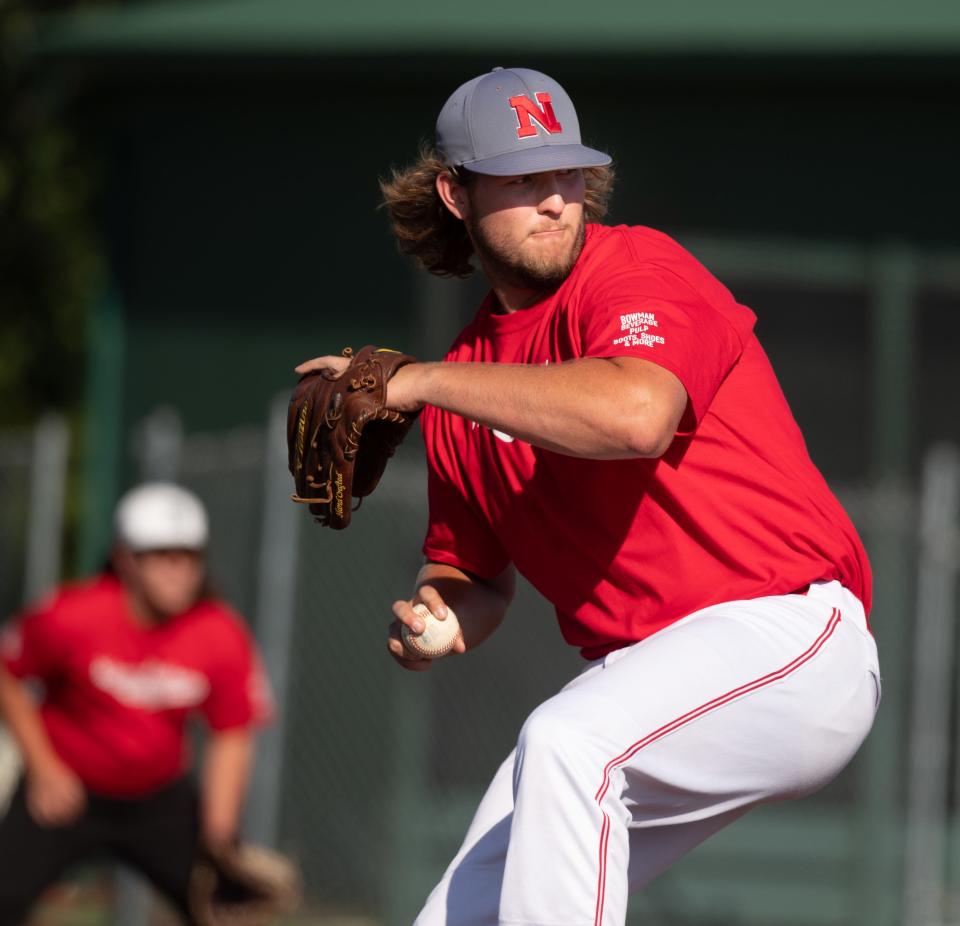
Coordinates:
<point>242,204</point>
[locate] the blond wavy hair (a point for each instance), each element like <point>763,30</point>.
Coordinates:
<point>436,239</point>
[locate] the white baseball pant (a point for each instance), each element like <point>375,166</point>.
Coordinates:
<point>657,746</point>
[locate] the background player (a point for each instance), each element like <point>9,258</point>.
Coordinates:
<point>125,659</point>
<point>610,426</point>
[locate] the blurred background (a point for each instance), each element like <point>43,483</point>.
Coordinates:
<point>188,207</point>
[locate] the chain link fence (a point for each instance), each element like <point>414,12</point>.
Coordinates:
<point>375,772</point>
<point>371,774</point>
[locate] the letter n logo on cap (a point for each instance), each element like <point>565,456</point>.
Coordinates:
<point>527,111</point>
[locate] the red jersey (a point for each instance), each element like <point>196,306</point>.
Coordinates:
<point>118,694</point>
<point>622,548</point>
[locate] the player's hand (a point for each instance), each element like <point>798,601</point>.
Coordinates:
<point>330,365</point>
<point>55,795</point>
<point>401,390</point>
<point>404,614</point>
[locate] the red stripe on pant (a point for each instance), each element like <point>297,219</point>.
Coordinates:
<point>631,751</point>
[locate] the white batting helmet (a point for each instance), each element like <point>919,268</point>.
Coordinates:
<point>160,516</point>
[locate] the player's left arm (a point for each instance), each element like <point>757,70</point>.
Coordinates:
<point>238,703</point>
<point>596,407</point>
<point>227,764</point>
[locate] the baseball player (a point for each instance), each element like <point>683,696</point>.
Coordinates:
<point>609,426</point>
<point>125,659</point>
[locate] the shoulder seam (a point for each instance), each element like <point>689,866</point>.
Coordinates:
<point>686,283</point>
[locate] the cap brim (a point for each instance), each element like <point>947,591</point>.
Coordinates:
<point>537,160</point>
<point>154,545</point>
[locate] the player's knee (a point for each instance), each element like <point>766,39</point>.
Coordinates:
<point>549,732</point>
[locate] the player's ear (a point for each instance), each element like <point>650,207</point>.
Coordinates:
<point>453,194</point>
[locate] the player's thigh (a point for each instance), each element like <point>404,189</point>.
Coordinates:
<point>779,743</point>
<point>32,857</point>
<point>792,694</point>
<point>743,702</point>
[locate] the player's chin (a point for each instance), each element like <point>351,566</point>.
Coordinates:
<point>550,262</point>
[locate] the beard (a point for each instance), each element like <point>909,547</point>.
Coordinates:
<point>505,262</point>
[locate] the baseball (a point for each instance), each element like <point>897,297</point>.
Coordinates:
<point>438,636</point>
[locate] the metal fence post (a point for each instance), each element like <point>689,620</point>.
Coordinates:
<point>276,593</point>
<point>928,786</point>
<point>159,444</point>
<point>893,287</point>
<point>51,440</point>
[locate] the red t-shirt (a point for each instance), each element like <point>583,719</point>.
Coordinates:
<point>622,548</point>
<point>118,695</point>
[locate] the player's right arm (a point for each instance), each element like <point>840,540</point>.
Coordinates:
<point>480,606</point>
<point>55,795</point>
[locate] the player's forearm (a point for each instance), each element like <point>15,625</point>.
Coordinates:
<point>226,773</point>
<point>591,407</point>
<point>23,720</point>
<point>480,606</point>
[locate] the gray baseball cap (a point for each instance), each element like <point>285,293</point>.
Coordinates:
<point>512,121</point>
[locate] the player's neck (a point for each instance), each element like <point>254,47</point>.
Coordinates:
<point>140,610</point>
<point>509,299</point>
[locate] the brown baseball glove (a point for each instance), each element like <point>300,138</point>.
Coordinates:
<point>243,885</point>
<point>340,435</point>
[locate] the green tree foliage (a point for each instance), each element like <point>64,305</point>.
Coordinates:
<point>50,262</point>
